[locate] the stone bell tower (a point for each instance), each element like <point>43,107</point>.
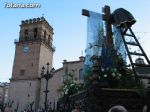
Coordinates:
<point>33,50</point>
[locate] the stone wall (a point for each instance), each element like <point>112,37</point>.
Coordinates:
<point>23,92</point>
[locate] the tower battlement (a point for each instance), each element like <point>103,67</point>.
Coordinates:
<point>36,20</point>
<point>36,30</point>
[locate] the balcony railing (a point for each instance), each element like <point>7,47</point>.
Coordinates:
<point>37,39</point>
<point>16,40</point>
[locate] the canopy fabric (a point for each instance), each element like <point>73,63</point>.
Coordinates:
<point>123,18</point>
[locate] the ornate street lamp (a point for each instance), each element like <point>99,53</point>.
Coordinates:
<point>48,75</point>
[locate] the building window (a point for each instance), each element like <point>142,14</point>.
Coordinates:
<point>45,35</point>
<point>32,64</point>
<point>28,95</point>
<point>30,84</point>
<point>49,39</point>
<point>26,34</point>
<point>81,75</point>
<point>35,33</point>
<point>63,78</point>
<point>22,72</point>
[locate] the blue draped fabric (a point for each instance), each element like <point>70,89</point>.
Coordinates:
<point>109,54</point>
<point>96,43</point>
<point>107,60</point>
<point>94,37</point>
<point>118,43</point>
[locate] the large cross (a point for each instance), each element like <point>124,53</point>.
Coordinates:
<point>108,23</point>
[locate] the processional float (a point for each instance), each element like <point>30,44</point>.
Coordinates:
<point>108,44</point>
<point>110,83</point>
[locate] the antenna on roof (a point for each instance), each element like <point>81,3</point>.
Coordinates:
<point>42,14</point>
<point>82,53</point>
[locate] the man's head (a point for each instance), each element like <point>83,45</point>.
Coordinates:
<point>117,108</point>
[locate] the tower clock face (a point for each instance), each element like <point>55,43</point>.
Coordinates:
<point>25,49</point>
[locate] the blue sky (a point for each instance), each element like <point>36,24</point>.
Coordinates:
<point>69,26</point>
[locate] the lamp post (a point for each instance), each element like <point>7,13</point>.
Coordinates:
<point>47,75</point>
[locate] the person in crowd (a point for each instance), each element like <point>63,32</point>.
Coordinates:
<point>117,108</point>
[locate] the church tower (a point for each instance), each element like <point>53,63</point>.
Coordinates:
<point>33,50</point>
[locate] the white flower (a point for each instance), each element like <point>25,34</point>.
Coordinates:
<point>114,69</point>
<point>99,77</point>
<point>105,75</point>
<point>113,74</point>
<point>107,68</point>
<point>102,69</point>
<point>119,75</point>
<point>71,85</point>
<point>65,86</point>
<point>66,92</point>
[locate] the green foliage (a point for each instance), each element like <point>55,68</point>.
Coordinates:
<point>118,76</point>
<point>87,77</point>
<point>69,87</point>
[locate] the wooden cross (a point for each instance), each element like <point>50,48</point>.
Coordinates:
<point>108,21</point>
